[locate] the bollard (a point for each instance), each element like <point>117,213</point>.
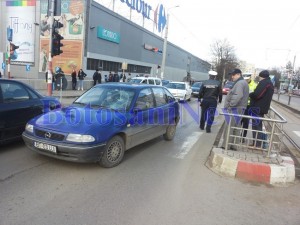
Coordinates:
<point>289,98</point>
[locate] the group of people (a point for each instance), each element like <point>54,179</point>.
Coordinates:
<point>80,75</point>
<point>117,78</point>
<point>245,98</point>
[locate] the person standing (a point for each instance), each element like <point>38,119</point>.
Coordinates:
<point>245,121</point>
<point>260,101</point>
<point>209,95</point>
<point>0,74</point>
<point>81,76</point>
<point>235,103</point>
<point>99,77</point>
<point>124,78</point>
<point>95,76</point>
<point>74,79</point>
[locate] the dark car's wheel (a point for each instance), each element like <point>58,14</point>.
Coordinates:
<point>114,152</point>
<point>170,132</point>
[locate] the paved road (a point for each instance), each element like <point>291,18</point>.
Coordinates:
<point>290,101</point>
<point>158,183</point>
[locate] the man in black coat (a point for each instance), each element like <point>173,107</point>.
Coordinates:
<point>260,101</point>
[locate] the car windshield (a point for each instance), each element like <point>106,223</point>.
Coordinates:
<point>165,82</point>
<point>197,84</point>
<point>115,98</point>
<point>176,86</point>
<point>135,81</point>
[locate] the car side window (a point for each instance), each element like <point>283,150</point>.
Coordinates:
<point>145,99</point>
<point>160,97</point>
<point>157,82</point>
<point>14,92</point>
<point>150,81</point>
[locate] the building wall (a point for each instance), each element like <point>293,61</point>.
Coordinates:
<point>131,47</point>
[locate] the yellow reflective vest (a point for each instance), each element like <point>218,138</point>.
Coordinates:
<point>252,85</point>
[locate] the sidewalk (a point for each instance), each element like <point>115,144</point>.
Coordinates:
<point>63,94</point>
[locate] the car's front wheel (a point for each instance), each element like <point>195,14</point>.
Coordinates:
<point>114,152</point>
<point>170,132</point>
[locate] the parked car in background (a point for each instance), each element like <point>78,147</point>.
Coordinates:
<point>104,122</point>
<point>196,88</point>
<point>227,87</point>
<point>146,80</point>
<point>165,82</point>
<point>18,104</point>
<point>181,90</point>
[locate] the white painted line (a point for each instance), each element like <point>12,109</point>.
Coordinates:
<point>297,133</point>
<point>188,144</point>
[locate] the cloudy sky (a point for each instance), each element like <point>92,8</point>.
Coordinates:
<point>263,32</point>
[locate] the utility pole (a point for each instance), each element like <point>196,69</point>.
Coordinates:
<point>50,74</point>
<point>163,63</point>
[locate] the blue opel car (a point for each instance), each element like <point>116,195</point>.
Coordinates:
<point>18,104</point>
<point>104,122</point>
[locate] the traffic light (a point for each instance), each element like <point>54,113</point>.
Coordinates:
<point>13,47</point>
<point>56,44</point>
<point>56,39</point>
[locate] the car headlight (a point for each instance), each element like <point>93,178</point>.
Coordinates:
<point>80,138</point>
<point>29,128</point>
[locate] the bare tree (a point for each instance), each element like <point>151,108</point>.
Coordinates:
<point>223,58</point>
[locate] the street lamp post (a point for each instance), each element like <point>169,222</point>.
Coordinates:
<point>163,63</point>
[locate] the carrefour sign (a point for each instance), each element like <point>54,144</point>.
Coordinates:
<point>108,35</point>
<point>159,13</point>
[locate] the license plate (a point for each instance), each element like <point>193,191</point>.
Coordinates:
<point>46,147</point>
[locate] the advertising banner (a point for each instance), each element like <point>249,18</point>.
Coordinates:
<point>21,18</point>
<point>72,18</point>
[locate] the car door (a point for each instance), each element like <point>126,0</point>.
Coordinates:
<point>164,113</point>
<point>18,105</point>
<point>142,126</point>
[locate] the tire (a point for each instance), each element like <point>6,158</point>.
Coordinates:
<point>170,132</point>
<point>114,152</point>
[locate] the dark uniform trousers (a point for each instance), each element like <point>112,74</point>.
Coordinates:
<point>208,109</point>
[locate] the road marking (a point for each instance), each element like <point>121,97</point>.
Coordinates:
<point>188,144</point>
<point>297,133</point>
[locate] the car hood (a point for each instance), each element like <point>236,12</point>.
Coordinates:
<point>81,120</point>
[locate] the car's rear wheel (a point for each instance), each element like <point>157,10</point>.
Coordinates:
<point>114,152</point>
<point>170,132</point>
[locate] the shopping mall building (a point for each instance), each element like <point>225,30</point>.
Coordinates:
<point>95,36</point>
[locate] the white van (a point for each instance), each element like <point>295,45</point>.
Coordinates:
<point>146,80</point>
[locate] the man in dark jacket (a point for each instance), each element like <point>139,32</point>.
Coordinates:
<point>210,92</point>
<point>260,101</point>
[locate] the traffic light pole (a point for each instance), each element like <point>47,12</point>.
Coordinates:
<point>50,74</point>
<point>8,62</point>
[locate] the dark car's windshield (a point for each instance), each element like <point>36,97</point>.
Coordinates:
<point>197,84</point>
<point>115,98</point>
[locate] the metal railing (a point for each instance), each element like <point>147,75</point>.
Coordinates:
<point>272,133</point>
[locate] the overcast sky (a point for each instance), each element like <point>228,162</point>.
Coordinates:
<point>263,32</point>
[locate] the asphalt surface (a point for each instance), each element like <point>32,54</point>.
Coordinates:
<point>158,182</point>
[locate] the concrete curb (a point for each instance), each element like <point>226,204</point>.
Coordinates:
<point>226,164</point>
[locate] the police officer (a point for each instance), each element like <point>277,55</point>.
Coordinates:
<point>209,95</point>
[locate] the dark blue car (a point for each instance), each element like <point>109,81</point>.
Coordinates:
<point>104,122</point>
<point>18,104</point>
